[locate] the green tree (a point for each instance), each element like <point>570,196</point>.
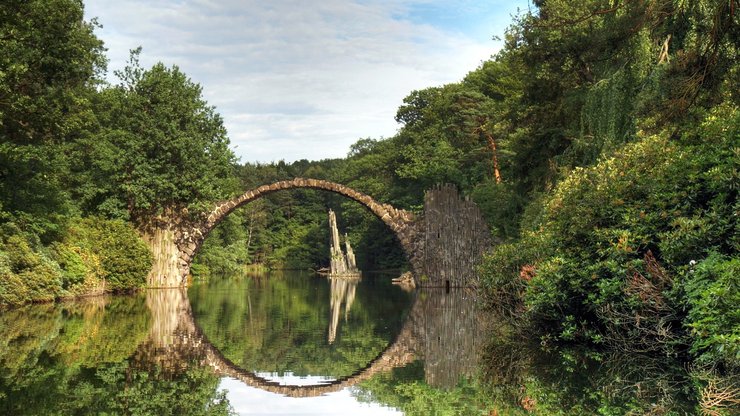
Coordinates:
<point>49,67</point>
<point>160,147</point>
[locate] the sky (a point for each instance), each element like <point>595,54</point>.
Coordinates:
<point>247,400</point>
<point>304,80</point>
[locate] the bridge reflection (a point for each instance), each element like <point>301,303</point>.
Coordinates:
<point>442,329</point>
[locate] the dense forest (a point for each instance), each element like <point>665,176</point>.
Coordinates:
<point>601,143</point>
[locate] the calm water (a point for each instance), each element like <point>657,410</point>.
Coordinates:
<point>292,343</point>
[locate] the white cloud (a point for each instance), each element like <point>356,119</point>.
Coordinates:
<point>295,79</point>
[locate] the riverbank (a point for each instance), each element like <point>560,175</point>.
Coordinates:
<point>636,253</point>
<point>93,256</point>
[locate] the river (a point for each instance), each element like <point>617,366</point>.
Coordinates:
<point>284,343</point>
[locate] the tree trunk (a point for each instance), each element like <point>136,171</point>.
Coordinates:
<point>494,151</point>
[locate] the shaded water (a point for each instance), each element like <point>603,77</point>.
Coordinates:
<point>292,343</point>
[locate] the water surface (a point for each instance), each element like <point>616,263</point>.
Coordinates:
<point>297,343</point>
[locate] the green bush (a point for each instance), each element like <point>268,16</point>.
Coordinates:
<point>26,275</point>
<point>124,257</point>
<point>73,267</point>
<point>713,294</point>
<point>507,269</point>
<point>603,220</point>
<point>92,251</point>
<point>609,255</point>
<point>13,290</point>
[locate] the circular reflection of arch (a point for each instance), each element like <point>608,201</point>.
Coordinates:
<point>175,334</point>
<point>434,317</point>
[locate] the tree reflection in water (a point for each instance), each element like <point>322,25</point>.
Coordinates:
<point>93,357</point>
<point>144,354</point>
<point>284,323</point>
<point>470,364</point>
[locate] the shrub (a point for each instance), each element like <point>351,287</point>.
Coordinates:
<point>506,271</point>
<point>93,250</point>
<point>124,257</point>
<point>12,289</point>
<point>73,267</point>
<point>713,294</point>
<point>608,258</point>
<point>25,274</point>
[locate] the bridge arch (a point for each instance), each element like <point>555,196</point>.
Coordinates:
<point>443,245</point>
<point>401,222</point>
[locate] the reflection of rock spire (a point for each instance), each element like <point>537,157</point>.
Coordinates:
<point>342,291</point>
<point>336,307</point>
<point>349,299</point>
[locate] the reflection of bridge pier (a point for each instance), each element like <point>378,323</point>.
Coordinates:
<point>168,308</point>
<point>449,333</point>
<point>442,328</point>
<point>170,345</point>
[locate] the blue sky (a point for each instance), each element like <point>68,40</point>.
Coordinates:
<point>304,80</point>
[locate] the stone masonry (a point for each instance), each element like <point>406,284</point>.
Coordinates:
<point>175,242</point>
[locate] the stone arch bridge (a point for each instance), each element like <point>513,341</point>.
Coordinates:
<point>443,244</point>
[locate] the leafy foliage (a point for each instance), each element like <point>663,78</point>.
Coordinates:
<point>71,145</point>
<point>713,294</point>
<point>602,228</point>
<point>94,255</point>
<point>159,146</point>
<point>124,257</point>
<point>25,274</point>
<point>48,69</point>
